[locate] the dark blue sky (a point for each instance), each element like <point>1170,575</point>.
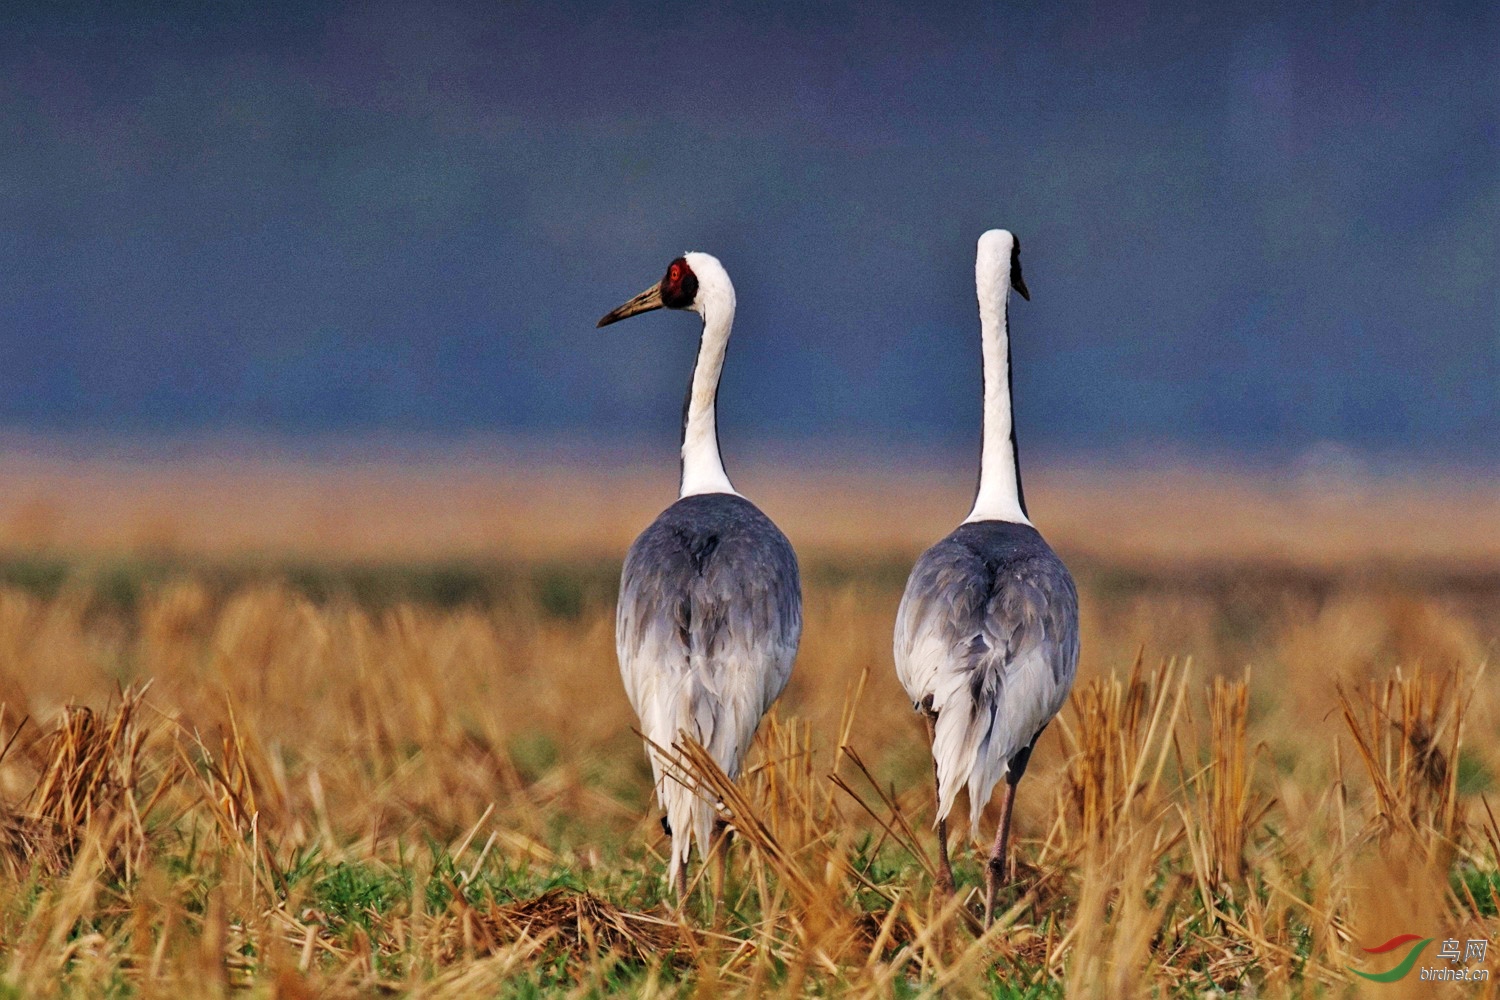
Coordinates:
<point>1254,230</point>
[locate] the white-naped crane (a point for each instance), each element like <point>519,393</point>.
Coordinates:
<point>986,640</point>
<point>710,609</point>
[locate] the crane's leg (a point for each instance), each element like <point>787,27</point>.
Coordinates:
<point>723,834</point>
<point>994,872</point>
<point>945,869</point>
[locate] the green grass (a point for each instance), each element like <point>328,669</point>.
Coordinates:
<point>561,592</point>
<point>1483,885</point>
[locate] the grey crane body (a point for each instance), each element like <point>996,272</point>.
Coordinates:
<point>987,642</point>
<point>710,610</point>
<point>715,574</point>
<point>709,619</point>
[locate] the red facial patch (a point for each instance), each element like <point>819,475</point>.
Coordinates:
<point>680,285</point>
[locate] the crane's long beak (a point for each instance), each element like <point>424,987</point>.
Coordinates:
<point>645,302</point>
<point>1019,283</point>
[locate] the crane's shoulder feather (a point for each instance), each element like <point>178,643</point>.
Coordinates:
<point>985,595</point>
<point>711,612</point>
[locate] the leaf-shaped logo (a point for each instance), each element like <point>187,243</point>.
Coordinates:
<point>1400,971</point>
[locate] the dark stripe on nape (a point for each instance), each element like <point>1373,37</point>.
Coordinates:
<point>1010,393</point>
<point>984,416</point>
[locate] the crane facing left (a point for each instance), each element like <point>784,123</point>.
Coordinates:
<point>710,610</point>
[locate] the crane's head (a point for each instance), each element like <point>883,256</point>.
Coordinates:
<point>691,282</point>
<point>999,256</point>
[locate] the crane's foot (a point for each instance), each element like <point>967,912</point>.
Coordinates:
<point>994,877</point>
<point>943,883</point>
<point>680,884</point>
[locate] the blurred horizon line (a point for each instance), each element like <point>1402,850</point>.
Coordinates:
<point>497,496</point>
<point>829,453</point>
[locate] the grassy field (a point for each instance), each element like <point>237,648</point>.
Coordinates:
<point>302,770</point>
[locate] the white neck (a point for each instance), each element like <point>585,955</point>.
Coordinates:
<point>999,496</point>
<point>702,468</point>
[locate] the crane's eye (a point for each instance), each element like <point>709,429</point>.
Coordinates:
<point>680,286</point>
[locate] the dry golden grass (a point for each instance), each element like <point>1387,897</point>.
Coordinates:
<point>219,775</point>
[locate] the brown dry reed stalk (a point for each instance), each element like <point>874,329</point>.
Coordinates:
<point>1409,732</point>
<point>1224,798</point>
<point>1119,745</point>
<point>93,783</point>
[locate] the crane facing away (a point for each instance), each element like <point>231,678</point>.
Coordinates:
<point>986,640</point>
